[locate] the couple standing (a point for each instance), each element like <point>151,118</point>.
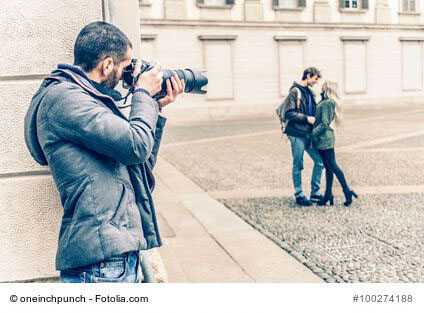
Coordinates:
<point>308,127</point>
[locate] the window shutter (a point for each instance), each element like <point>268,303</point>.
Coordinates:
<point>341,4</point>
<point>412,6</point>
<point>230,1</point>
<point>201,1</point>
<point>301,3</point>
<point>365,4</point>
<point>275,3</point>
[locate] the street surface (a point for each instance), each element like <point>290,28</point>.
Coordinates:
<point>246,165</point>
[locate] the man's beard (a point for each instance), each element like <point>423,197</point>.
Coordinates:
<point>111,81</point>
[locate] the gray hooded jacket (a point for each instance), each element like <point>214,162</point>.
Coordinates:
<point>101,163</point>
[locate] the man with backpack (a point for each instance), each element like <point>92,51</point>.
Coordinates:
<point>297,115</point>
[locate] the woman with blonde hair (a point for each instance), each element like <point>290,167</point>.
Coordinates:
<point>323,139</point>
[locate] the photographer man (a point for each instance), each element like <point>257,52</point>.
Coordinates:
<point>101,161</point>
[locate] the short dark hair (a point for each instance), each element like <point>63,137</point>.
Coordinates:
<point>98,41</point>
<point>311,71</point>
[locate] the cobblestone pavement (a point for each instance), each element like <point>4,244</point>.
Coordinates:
<point>247,165</point>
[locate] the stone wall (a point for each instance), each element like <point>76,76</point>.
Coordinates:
<point>36,35</point>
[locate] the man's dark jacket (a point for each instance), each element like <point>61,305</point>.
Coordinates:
<point>297,117</point>
<point>101,163</point>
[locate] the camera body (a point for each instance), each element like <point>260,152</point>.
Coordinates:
<point>193,78</point>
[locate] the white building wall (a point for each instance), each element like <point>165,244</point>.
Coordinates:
<point>384,66</point>
<point>36,35</point>
<point>269,14</point>
<point>394,6</point>
<point>155,9</point>
<point>307,13</point>
<point>257,70</point>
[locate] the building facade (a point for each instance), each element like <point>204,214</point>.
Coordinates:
<point>253,50</point>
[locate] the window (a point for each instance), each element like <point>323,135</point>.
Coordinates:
<point>409,6</point>
<point>354,4</point>
<point>215,2</point>
<point>290,59</point>
<point>355,64</point>
<point>412,64</point>
<point>351,4</point>
<point>219,3</point>
<point>215,9</point>
<point>218,58</point>
<point>287,3</point>
<point>148,47</point>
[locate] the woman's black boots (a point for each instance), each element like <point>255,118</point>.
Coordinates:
<point>349,197</point>
<point>325,199</point>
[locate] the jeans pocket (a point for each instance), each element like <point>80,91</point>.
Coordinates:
<point>113,270</point>
<point>72,276</point>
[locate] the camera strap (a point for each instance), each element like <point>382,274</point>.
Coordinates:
<point>130,91</point>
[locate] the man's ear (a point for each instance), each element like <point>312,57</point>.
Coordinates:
<point>107,66</point>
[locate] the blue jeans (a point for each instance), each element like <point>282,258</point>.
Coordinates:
<point>122,269</point>
<point>299,146</point>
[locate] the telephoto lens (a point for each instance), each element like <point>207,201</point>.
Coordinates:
<point>193,78</point>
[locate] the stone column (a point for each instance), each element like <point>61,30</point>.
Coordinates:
<point>175,9</point>
<point>382,12</point>
<point>253,11</point>
<point>322,11</point>
<point>125,15</point>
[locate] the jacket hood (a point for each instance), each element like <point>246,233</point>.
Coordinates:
<point>30,124</point>
<point>64,72</point>
<point>305,89</point>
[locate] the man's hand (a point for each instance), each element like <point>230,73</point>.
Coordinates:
<point>150,80</point>
<point>178,87</point>
<point>311,120</point>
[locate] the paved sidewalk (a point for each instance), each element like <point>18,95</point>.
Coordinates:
<point>206,242</point>
<point>246,165</point>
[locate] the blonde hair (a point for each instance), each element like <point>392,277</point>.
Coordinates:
<point>331,91</point>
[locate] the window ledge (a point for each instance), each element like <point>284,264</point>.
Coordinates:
<point>145,4</point>
<point>216,37</point>
<point>222,7</point>
<point>148,36</point>
<point>278,8</point>
<point>413,39</point>
<point>409,13</point>
<point>355,38</point>
<point>353,11</point>
<point>289,38</point>
<point>363,92</point>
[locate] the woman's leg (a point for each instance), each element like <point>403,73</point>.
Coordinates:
<point>329,173</point>
<point>336,169</point>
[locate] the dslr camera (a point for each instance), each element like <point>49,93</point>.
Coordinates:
<point>193,78</point>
